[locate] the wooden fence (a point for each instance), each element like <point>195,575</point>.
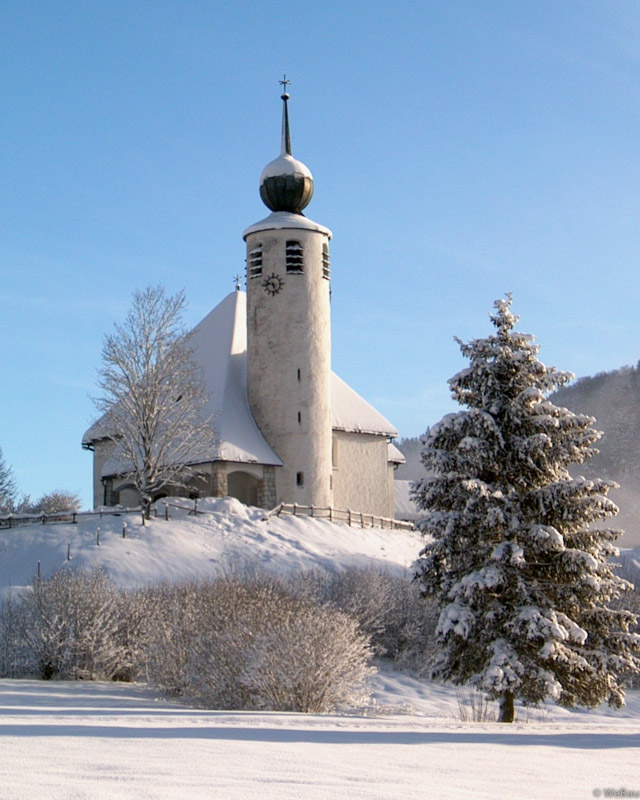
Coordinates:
<point>14,520</point>
<point>352,518</point>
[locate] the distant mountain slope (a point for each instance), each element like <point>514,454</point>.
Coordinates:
<point>613,398</point>
<point>410,448</point>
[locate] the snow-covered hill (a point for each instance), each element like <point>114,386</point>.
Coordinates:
<point>228,535</point>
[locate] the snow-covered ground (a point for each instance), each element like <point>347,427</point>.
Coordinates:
<point>104,741</point>
<point>96,740</point>
<point>230,535</point>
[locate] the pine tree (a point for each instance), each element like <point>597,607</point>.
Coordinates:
<point>522,578</point>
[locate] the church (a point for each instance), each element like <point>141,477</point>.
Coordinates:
<point>288,429</point>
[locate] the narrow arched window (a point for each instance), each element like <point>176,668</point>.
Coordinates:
<point>294,257</point>
<point>254,261</point>
<point>326,272</point>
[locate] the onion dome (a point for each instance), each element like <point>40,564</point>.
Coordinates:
<point>286,184</point>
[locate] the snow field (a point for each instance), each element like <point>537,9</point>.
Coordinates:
<point>102,741</point>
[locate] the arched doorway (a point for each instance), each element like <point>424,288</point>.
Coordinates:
<point>243,487</point>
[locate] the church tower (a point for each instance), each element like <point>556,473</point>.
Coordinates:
<point>289,330</point>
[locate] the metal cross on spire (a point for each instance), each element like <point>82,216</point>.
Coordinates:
<point>284,83</point>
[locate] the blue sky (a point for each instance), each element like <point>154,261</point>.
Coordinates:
<point>460,150</point>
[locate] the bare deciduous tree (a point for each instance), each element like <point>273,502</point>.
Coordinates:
<point>153,396</point>
<point>7,487</point>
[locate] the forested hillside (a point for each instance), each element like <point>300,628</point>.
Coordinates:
<point>613,398</point>
<point>411,448</point>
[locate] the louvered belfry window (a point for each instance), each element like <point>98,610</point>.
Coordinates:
<point>255,261</point>
<point>294,257</point>
<point>326,272</point>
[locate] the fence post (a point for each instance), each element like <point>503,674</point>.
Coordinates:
<point>124,530</point>
<point>294,509</point>
<point>330,514</point>
<point>311,510</point>
<point>166,512</point>
<point>349,513</point>
<point>38,571</point>
<point>98,536</point>
<point>43,518</point>
<point>68,551</point>
<point>195,507</point>
<point>74,520</point>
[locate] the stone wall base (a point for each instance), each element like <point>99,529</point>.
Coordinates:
<point>267,489</point>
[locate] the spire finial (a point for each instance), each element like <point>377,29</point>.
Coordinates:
<point>237,280</point>
<point>286,136</point>
<point>286,184</point>
<point>284,83</point>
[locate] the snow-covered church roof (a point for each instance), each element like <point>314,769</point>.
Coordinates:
<point>219,343</point>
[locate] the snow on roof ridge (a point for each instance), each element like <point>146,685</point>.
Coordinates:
<point>351,412</point>
<point>395,455</point>
<point>281,220</point>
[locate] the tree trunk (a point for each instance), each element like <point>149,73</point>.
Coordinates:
<point>507,711</point>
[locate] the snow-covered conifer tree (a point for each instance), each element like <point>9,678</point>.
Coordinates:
<point>521,575</point>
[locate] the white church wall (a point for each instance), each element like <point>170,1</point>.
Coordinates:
<point>361,475</point>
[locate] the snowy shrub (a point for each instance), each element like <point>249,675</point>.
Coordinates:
<point>175,623</point>
<point>16,660</point>
<point>252,643</point>
<point>474,706</point>
<point>71,623</point>
<point>371,597</point>
<point>136,611</point>
<point>388,607</point>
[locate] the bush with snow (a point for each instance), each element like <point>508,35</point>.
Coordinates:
<point>247,640</point>
<point>522,577</point>
<point>71,625</point>
<point>74,625</point>
<point>252,643</point>
<point>388,607</point>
